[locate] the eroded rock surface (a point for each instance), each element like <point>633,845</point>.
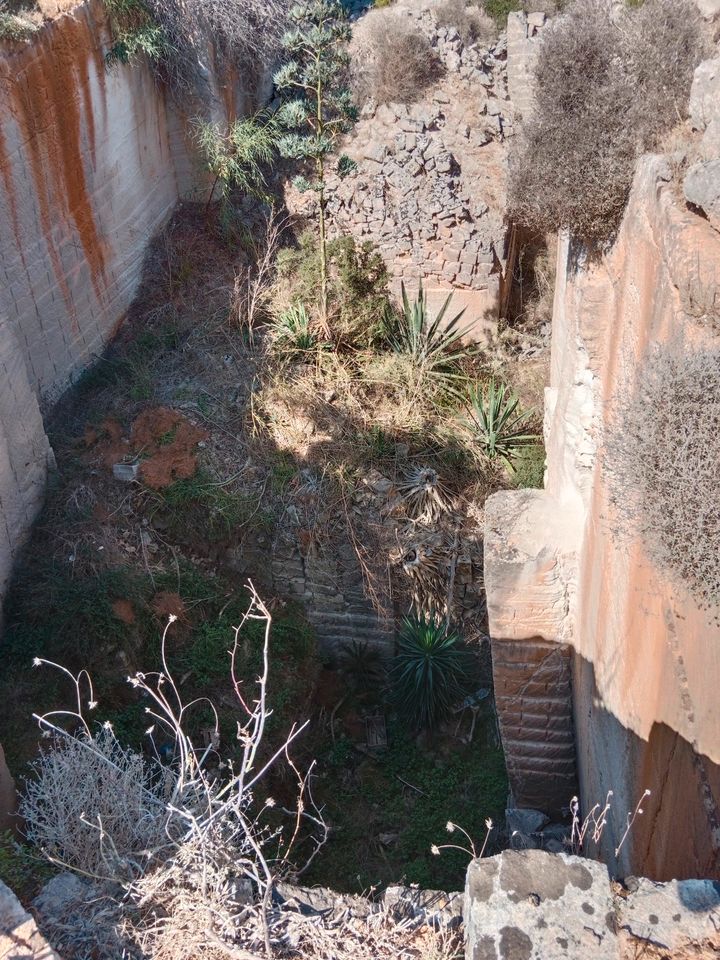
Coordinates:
<point>532,905</point>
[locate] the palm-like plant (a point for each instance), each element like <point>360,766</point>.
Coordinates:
<point>292,332</point>
<point>427,672</point>
<point>498,425</point>
<point>434,347</point>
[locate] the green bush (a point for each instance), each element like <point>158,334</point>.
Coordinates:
<point>427,672</point>
<point>498,426</point>
<point>358,296</point>
<point>530,468</point>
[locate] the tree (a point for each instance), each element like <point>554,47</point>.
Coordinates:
<point>318,108</point>
<point>238,159</point>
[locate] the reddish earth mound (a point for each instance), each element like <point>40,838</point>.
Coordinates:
<point>162,439</point>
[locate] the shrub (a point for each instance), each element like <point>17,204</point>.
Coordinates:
<point>175,35</point>
<point>398,64</point>
<point>498,426</point>
<point>661,459</point>
<point>434,348</point>
<point>530,468</point>
<point>606,88</point>
<point>473,24</point>
<point>358,295</point>
<point>240,158</point>
<point>427,672</point>
<point>13,26</point>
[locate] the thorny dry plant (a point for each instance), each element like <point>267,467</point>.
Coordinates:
<point>662,457</point>
<point>252,289</point>
<point>185,836</point>
<point>592,826</point>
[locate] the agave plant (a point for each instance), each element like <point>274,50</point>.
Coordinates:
<point>427,672</point>
<point>434,347</point>
<point>498,426</point>
<point>292,331</point>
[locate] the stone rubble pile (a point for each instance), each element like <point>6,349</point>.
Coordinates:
<point>408,194</point>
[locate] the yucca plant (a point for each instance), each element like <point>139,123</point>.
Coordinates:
<point>434,347</point>
<point>498,425</point>
<point>427,672</point>
<point>292,332</point>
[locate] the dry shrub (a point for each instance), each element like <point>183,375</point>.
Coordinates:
<point>398,63</point>
<point>607,86</point>
<point>662,460</point>
<point>472,23</point>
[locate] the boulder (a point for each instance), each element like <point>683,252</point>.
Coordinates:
<point>702,189</point>
<point>705,94</point>
<point>20,938</point>
<point>532,905</point>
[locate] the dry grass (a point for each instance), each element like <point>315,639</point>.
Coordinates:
<point>396,62</point>
<point>471,22</point>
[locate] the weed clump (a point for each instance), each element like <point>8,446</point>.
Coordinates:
<point>472,23</point>
<point>398,64</point>
<point>607,86</point>
<point>662,459</point>
<point>13,26</point>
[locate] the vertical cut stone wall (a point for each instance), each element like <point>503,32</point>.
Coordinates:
<point>645,657</point>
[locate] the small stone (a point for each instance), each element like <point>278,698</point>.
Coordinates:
<point>126,472</point>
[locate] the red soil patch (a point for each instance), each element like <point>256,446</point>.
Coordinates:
<point>165,604</point>
<point>123,610</point>
<point>169,445</point>
<point>163,438</point>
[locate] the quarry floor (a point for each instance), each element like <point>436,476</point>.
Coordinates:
<point>182,392</point>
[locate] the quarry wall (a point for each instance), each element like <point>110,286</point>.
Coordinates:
<point>645,657</point>
<point>92,162</point>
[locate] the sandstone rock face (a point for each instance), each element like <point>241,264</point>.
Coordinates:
<point>645,657</point>
<point>20,938</point>
<point>523,35</point>
<point>532,905</point>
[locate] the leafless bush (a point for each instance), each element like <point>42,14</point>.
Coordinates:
<point>471,22</point>
<point>186,838</point>
<point>243,33</point>
<point>94,806</point>
<point>608,84</point>
<point>254,283</point>
<point>662,460</point>
<point>397,63</point>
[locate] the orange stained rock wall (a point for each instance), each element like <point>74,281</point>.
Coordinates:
<point>646,659</point>
<point>92,162</point>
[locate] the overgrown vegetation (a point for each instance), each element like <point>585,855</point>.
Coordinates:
<point>428,672</point>
<point>239,159</point>
<point>175,36</point>
<point>608,84</point>
<point>662,456</point>
<point>14,26</point>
